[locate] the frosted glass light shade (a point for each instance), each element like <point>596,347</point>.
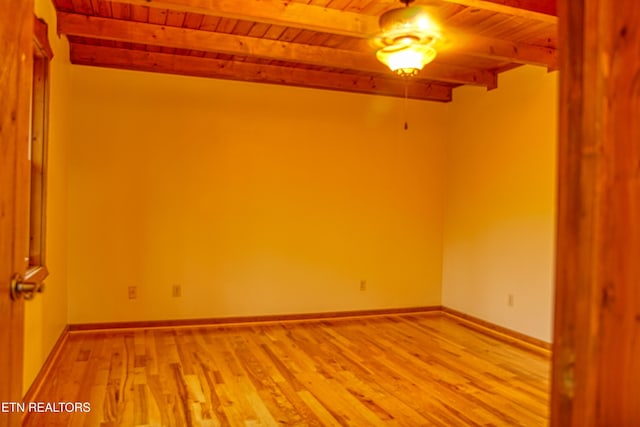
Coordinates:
<point>406,60</point>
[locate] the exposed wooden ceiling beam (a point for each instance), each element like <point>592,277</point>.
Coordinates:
<point>275,12</point>
<point>539,10</point>
<point>183,38</point>
<point>518,53</point>
<point>332,21</point>
<point>215,68</point>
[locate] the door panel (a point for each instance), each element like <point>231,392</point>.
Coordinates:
<point>16,63</point>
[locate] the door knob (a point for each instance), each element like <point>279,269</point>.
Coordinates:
<point>27,288</point>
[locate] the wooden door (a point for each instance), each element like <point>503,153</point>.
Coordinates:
<point>16,63</point>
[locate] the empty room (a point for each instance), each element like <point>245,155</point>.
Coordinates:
<point>319,212</point>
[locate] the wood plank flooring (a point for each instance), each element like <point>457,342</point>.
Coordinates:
<point>400,370</point>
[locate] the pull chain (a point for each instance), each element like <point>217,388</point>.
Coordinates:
<point>406,89</point>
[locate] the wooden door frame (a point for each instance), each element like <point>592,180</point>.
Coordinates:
<point>596,360</point>
<point>16,66</point>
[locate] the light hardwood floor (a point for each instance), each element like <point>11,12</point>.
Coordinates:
<point>405,370</point>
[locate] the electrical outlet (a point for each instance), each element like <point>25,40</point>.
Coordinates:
<point>510,300</point>
<point>363,285</point>
<point>176,291</point>
<point>133,292</point>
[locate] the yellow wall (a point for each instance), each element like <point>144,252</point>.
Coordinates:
<point>46,315</point>
<point>500,202</point>
<point>257,199</point>
<point>262,199</point>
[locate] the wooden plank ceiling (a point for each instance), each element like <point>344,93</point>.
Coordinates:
<point>311,43</point>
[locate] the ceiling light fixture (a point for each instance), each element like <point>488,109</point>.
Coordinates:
<point>407,38</point>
